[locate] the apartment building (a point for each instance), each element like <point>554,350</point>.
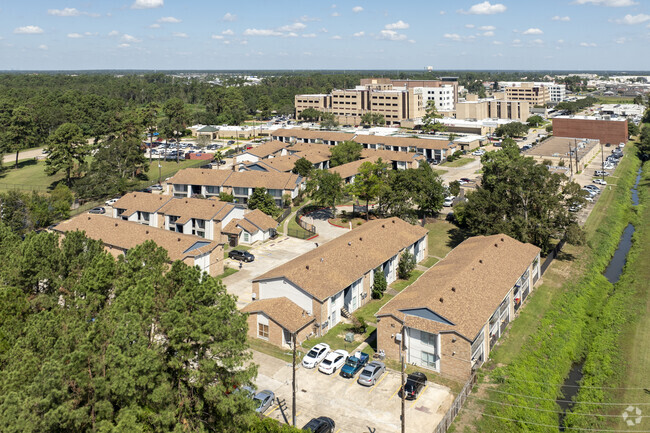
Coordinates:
<point>532,93</point>
<point>478,109</point>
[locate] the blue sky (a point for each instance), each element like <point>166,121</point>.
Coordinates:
<point>277,34</point>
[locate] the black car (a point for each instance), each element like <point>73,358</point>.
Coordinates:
<point>322,424</point>
<point>415,382</point>
<point>147,190</point>
<point>244,256</point>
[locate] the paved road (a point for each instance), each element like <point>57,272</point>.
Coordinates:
<point>25,154</point>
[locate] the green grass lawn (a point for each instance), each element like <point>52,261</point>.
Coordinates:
<point>169,168</point>
<point>271,349</point>
<point>227,272</point>
<point>429,261</point>
<point>367,312</point>
<point>293,228</point>
<point>400,285</point>
<point>443,236</point>
<point>457,163</point>
<point>30,175</point>
<point>335,337</point>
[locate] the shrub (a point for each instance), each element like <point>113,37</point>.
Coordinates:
<point>379,285</point>
<point>406,265</point>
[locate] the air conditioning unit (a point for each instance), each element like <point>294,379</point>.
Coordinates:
<point>398,337</point>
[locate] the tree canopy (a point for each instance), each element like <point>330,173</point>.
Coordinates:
<point>522,199</point>
<point>429,121</point>
<point>344,152</point>
<point>91,343</point>
<point>512,129</point>
<point>303,167</point>
<point>66,147</point>
<point>262,200</point>
<point>325,188</point>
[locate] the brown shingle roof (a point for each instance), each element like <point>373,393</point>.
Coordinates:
<point>261,220</point>
<point>313,135</point>
<point>126,235</point>
<point>425,143</point>
<point>141,201</point>
<point>200,208</point>
<point>351,168</point>
<point>200,176</point>
<point>259,179</point>
<point>231,228</point>
<point>471,281</point>
<point>282,311</point>
<point>284,163</point>
<point>310,147</point>
<point>332,267</point>
<point>391,155</point>
<point>266,149</point>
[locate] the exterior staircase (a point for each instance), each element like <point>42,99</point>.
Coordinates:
<point>345,313</point>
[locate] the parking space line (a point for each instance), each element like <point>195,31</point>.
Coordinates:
<point>274,409</point>
<point>338,430</point>
<point>352,381</point>
<point>380,379</point>
<point>391,397</point>
<point>416,400</point>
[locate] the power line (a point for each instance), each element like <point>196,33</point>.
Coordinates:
<point>569,401</point>
<point>548,410</point>
<point>555,427</point>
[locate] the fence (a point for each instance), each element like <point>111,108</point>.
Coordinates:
<point>285,214</point>
<point>449,417</point>
<point>302,211</point>
<point>300,234</point>
<point>552,255</point>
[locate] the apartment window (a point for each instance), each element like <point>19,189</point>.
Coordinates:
<point>263,331</point>
<point>144,217</point>
<point>429,359</point>
<point>428,339</point>
<point>240,191</point>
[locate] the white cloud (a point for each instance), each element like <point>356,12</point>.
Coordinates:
<point>469,26</point>
<point>292,27</point>
<point>537,41</point>
<point>357,9</point>
<point>244,42</point>
<point>228,32</point>
<point>485,8</point>
<point>497,43</point>
<point>309,35</point>
<point>306,19</point>
<point>65,12</point>
<point>487,28</point>
<point>631,20</point>
<point>399,25</point>
<point>261,32</point>
<point>336,14</point>
<point>533,31</point>
<point>113,33</point>
<point>123,46</point>
<point>559,18</point>
<point>452,36</point>
<point>609,3</point>
<point>169,20</point>
<point>620,40</point>
<point>359,34</point>
<point>217,37</point>
<point>323,30</point>
<point>28,30</point>
<point>391,35</point>
<point>130,39</point>
<point>307,53</point>
<point>442,12</point>
<point>488,34</point>
<point>43,47</point>
<point>154,26</point>
<point>147,4</point>
<point>179,35</point>
<point>560,41</point>
<point>290,35</point>
<point>587,44</point>
<point>229,17</point>
<point>336,37</point>
<point>75,35</point>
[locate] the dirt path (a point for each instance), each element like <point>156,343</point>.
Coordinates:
<point>25,154</point>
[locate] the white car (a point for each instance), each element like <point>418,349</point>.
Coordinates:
<point>333,361</point>
<point>479,152</point>
<point>600,182</point>
<point>111,202</point>
<point>449,201</point>
<point>315,355</point>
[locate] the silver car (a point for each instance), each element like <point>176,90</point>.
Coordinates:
<point>371,374</point>
<point>263,400</point>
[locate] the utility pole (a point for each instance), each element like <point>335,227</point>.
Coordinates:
<point>602,159</point>
<point>401,353</point>
<point>293,381</point>
<point>570,161</point>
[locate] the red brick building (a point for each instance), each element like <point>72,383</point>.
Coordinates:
<point>612,131</point>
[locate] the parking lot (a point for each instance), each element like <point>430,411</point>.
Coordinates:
<point>353,407</point>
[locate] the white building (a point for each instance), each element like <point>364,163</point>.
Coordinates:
<point>443,97</point>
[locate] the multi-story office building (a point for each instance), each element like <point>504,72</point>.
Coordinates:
<point>478,109</point>
<point>557,92</point>
<point>528,92</point>
<point>395,100</point>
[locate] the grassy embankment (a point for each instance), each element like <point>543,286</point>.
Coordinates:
<point>458,162</point>
<point>560,325</point>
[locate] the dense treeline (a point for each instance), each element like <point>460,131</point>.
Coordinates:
<point>91,343</point>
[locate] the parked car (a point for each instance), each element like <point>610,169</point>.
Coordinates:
<point>157,187</point>
<point>590,192</point>
<point>593,188</point>
<point>231,142</point>
<point>464,180</point>
<point>354,364</point>
<point>371,374</point>
<point>415,383</point>
<point>147,190</point>
<point>601,173</point>
<point>264,400</point>
<point>315,355</point>
<point>589,199</point>
<point>241,255</point>
<point>575,208</point>
<point>97,210</point>
<point>479,152</point>
<point>333,361</point>
<point>600,182</point>
<point>322,424</point>
<point>112,201</point>
<point>449,201</point>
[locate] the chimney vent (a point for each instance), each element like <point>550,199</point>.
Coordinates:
<point>496,245</point>
<point>147,231</point>
<point>361,239</point>
<point>307,267</point>
<point>503,240</point>
<point>115,224</point>
<point>480,260</point>
<point>179,239</point>
<point>349,244</point>
<point>453,289</point>
<point>441,300</point>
